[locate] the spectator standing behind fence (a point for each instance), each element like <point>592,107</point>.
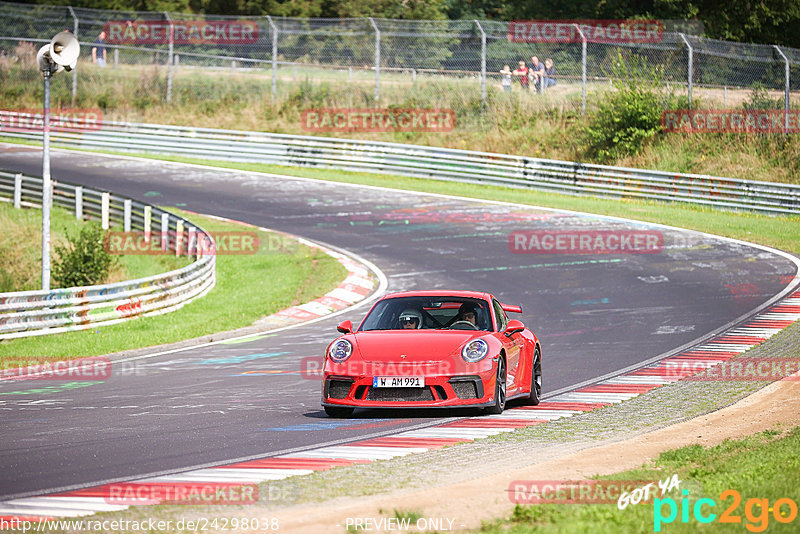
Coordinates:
<point>522,72</point>
<point>536,73</point>
<point>549,74</point>
<point>505,78</point>
<point>99,50</point>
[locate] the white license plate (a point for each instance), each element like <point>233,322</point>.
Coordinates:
<point>398,381</point>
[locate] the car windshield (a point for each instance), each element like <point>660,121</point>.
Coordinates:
<point>427,313</point>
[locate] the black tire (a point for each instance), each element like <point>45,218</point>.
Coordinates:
<point>536,380</point>
<point>341,412</point>
<point>499,389</point>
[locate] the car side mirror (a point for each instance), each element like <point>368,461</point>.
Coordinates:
<point>345,327</point>
<point>513,327</point>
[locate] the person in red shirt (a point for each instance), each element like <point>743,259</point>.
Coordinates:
<point>522,72</point>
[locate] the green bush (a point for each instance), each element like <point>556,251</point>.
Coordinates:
<point>626,118</point>
<point>759,99</point>
<point>83,261</point>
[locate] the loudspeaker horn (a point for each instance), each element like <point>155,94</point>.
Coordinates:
<point>64,50</point>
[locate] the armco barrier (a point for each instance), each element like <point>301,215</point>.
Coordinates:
<point>30,313</point>
<point>426,162</point>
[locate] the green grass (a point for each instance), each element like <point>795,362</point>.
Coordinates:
<point>248,287</point>
<point>761,466</point>
<point>21,266</point>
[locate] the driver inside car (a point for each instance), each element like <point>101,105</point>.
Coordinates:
<point>410,319</point>
<point>468,312</point>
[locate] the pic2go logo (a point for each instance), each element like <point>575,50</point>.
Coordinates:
<point>756,511</point>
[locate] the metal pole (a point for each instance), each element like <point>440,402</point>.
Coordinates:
<point>274,57</point>
<point>483,64</point>
<point>169,58</point>
<point>786,93</point>
<point>690,68</point>
<point>46,186</point>
<point>377,61</point>
<point>583,67</point>
<point>74,71</point>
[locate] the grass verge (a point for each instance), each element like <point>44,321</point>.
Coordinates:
<point>760,469</point>
<point>20,266</point>
<point>259,285</point>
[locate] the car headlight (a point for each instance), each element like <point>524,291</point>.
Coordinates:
<point>475,351</point>
<point>340,350</point>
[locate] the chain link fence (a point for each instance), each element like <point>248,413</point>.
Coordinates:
<point>363,63</point>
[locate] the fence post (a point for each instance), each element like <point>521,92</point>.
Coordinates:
<point>74,71</point>
<point>690,68</point>
<point>178,237</point>
<point>169,58</point>
<point>483,64</point>
<point>192,236</point>
<point>126,219</point>
<point>116,58</point>
<point>274,57</point>
<point>786,93</point>
<point>148,215</point>
<point>105,200</point>
<point>79,202</point>
<point>18,191</point>
<point>583,67</point>
<point>164,231</point>
<point>377,61</point>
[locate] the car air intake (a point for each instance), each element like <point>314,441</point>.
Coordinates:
<point>400,394</point>
<point>465,390</point>
<point>338,389</point>
<point>467,387</point>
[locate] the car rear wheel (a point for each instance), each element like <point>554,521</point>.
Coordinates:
<point>536,380</point>
<point>338,411</point>
<point>499,389</point>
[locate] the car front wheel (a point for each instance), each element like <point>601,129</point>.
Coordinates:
<point>536,380</point>
<point>499,389</point>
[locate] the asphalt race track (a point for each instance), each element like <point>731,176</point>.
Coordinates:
<point>595,314</point>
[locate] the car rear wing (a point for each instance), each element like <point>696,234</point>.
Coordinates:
<point>511,308</point>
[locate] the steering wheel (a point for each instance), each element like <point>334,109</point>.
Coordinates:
<point>463,325</point>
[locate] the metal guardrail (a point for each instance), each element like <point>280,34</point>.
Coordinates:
<point>31,313</point>
<point>425,162</point>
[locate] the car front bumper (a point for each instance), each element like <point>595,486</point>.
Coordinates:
<point>440,391</point>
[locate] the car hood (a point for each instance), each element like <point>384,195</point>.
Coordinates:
<point>415,345</point>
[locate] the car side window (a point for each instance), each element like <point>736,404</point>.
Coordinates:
<point>502,320</point>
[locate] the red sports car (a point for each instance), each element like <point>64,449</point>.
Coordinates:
<point>432,349</point>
